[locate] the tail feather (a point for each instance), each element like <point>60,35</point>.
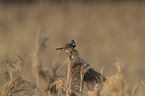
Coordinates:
<point>59,48</point>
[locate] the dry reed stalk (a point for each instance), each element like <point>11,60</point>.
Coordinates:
<point>37,68</point>
<point>83,70</point>
<point>36,61</point>
<point>102,72</point>
<point>120,71</point>
<point>45,75</point>
<point>61,66</point>
<point>134,89</point>
<point>142,83</point>
<point>69,77</point>
<point>81,83</point>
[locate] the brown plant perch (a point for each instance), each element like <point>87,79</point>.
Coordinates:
<point>90,76</point>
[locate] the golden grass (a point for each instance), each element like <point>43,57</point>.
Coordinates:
<point>16,85</point>
<point>102,30</point>
<point>49,83</point>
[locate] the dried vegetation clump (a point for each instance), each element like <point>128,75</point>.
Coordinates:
<point>13,83</point>
<point>49,83</point>
<point>113,86</point>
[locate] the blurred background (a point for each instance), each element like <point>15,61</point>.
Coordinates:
<point>103,30</point>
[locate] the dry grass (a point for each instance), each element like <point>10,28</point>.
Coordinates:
<point>49,83</point>
<point>15,85</point>
<point>102,31</point>
<point>113,86</point>
<point>69,77</point>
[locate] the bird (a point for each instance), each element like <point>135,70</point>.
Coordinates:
<point>68,46</point>
<point>91,77</point>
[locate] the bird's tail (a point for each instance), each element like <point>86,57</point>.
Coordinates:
<point>59,48</point>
